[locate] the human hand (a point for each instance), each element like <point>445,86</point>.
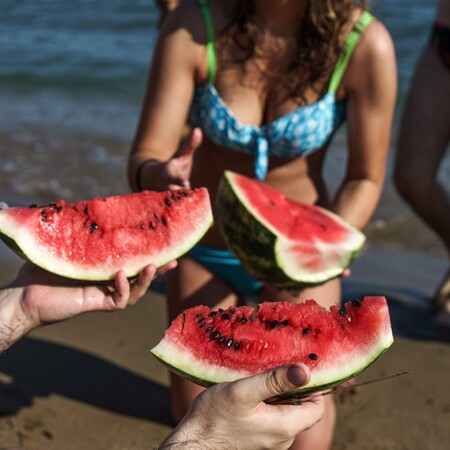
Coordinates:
<point>37,297</point>
<point>176,172</point>
<point>234,415</point>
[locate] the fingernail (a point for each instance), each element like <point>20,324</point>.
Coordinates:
<point>296,375</point>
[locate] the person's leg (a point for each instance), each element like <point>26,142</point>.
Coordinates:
<point>320,436</point>
<point>188,285</point>
<point>423,140</point>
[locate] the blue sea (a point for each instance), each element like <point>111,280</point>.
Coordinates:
<point>72,79</point>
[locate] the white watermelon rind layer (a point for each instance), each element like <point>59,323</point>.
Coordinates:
<point>289,274</point>
<point>20,241</point>
<point>352,247</point>
<point>181,361</point>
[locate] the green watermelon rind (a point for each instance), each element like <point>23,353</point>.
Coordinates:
<point>11,244</point>
<point>20,242</point>
<point>263,254</point>
<point>184,364</point>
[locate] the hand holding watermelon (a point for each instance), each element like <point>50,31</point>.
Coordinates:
<point>38,297</point>
<point>234,415</point>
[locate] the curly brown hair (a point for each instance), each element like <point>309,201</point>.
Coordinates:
<point>320,40</point>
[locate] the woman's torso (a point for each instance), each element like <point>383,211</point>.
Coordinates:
<point>254,94</point>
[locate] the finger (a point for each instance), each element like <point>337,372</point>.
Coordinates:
<point>298,418</point>
<point>163,269</point>
<point>141,285</point>
<point>122,293</point>
<point>191,143</point>
<point>274,382</point>
<point>180,183</point>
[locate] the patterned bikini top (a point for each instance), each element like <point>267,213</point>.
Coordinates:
<point>298,133</point>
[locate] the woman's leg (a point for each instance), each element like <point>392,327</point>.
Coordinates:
<point>190,284</point>
<point>320,436</point>
<point>423,140</point>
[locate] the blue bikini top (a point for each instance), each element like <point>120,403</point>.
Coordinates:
<point>298,133</point>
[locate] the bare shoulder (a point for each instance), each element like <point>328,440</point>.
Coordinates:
<point>373,63</point>
<point>185,18</point>
<point>375,43</point>
<point>189,18</point>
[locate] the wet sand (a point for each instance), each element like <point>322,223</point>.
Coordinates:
<point>91,382</point>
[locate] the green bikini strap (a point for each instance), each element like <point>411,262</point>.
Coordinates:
<point>353,38</point>
<point>211,58</point>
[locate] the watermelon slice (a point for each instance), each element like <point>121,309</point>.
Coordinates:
<point>282,241</point>
<point>92,240</point>
<point>211,347</point>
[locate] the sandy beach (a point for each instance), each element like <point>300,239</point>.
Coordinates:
<point>91,383</point>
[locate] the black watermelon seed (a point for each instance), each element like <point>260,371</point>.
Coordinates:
<point>185,194</point>
<point>306,331</point>
<point>225,316</point>
<point>273,324</point>
<point>243,320</point>
<point>221,310</point>
<point>164,221</point>
<point>199,315</point>
<point>168,202</point>
<point>285,322</point>
<point>213,313</point>
<point>222,340</point>
<point>216,335</point>
<point>58,208</point>
<point>202,324</point>
<point>151,226</point>
<point>44,218</point>
<point>208,329</point>
<point>85,210</point>
<point>94,226</point>
<point>229,342</point>
<point>232,311</point>
<point>237,345</point>
<point>141,226</point>
<point>341,312</point>
<point>312,356</point>
<point>356,303</point>
<point>156,218</point>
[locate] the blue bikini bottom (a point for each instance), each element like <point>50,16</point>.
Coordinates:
<point>226,266</point>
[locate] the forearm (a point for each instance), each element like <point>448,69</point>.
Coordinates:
<point>357,200</point>
<point>13,324</point>
<point>189,434</point>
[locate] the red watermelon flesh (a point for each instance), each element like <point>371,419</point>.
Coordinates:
<point>217,346</point>
<point>92,240</point>
<point>282,241</point>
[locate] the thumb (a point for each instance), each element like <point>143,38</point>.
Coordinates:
<point>274,382</point>
<point>191,143</point>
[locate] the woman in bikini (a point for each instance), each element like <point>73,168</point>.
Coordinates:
<point>260,87</point>
<point>423,142</point>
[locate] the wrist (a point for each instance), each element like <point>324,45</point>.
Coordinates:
<point>13,322</point>
<point>194,433</point>
<point>143,173</point>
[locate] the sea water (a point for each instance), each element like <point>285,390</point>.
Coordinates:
<point>72,79</point>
